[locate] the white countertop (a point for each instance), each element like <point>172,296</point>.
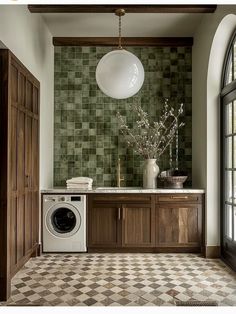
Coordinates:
<point>115,190</point>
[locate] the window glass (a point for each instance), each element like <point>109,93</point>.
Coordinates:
<point>229,72</point>
<point>228,122</point>
<point>228,152</point>
<point>234,223</point>
<point>228,181</point>
<point>228,220</point>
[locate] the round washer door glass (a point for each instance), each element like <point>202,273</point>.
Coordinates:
<point>63,220</point>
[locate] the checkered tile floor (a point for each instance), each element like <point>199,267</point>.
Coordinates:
<point>122,279</point>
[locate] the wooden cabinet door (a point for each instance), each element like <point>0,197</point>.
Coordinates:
<point>35,180</point>
<point>179,225</point>
<point>20,184</point>
<point>104,225</point>
<point>28,183</point>
<point>138,225</point>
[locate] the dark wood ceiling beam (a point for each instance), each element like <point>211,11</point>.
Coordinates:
<point>126,41</point>
<point>129,8</point>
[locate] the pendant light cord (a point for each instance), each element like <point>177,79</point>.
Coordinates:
<point>120,13</point>
<point>119,46</point>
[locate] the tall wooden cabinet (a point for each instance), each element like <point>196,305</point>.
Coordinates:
<point>19,167</point>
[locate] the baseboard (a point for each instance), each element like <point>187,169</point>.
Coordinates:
<point>39,250</point>
<point>211,251</point>
<point>144,249</point>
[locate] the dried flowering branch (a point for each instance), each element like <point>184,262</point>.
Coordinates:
<point>150,140</point>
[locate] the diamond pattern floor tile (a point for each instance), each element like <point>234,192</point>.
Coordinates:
<point>122,280</point>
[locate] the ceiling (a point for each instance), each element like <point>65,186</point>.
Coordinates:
<point>133,24</point>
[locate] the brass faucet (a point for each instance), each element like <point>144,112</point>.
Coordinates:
<point>119,178</point>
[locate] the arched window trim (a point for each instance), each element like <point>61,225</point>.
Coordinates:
<point>226,66</point>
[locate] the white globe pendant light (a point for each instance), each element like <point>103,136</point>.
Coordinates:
<point>120,73</point>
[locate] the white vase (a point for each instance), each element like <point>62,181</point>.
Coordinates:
<point>150,173</point>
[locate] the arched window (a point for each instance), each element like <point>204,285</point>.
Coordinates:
<point>228,151</point>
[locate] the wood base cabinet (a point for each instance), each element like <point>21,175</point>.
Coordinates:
<point>19,159</point>
<point>120,222</point>
<point>179,221</point>
<point>145,223</point>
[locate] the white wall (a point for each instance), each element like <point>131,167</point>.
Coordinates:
<point>27,36</point>
<point>210,43</point>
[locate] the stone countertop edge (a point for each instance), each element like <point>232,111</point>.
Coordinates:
<point>122,191</point>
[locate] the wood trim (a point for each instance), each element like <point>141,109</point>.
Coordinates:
<point>178,198</point>
<point>212,251</point>
<point>121,198</point>
<point>5,282</point>
<point>128,8</point>
<point>126,41</point>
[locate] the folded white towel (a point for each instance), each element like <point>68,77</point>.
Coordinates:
<point>80,180</point>
<point>79,185</point>
<point>88,187</point>
<point>72,183</point>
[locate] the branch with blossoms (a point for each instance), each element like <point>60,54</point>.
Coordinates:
<point>151,139</point>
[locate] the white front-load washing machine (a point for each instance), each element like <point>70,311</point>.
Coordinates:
<point>64,223</point>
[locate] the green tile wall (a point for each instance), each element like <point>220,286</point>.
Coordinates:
<point>87,140</point>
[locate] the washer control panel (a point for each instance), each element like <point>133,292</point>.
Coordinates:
<point>64,198</point>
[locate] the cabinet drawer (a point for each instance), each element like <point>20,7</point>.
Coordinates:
<point>121,198</point>
<point>179,198</point>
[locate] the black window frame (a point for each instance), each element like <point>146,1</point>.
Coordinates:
<point>227,96</point>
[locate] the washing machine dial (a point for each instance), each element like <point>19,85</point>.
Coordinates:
<point>61,199</point>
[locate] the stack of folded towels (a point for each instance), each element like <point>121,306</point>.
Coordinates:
<point>83,183</point>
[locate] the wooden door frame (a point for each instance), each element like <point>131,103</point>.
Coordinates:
<point>5,277</point>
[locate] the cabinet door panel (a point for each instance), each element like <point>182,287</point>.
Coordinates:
<point>13,150</point>
<point>35,155</point>
<point>13,234</point>
<point>21,89</point>
<point>20,184</point>
<point>137,226</point>
<point>29,95</point>
<point>28,151</point>
<point>179,225</point>
<point>28,221</point>
<point>21,152</point>
<point>35,100</point>
<point>168,225</point>
<point>193,232</point>
<point>104,226</point>
<point>183,224</point>
<point>14,84</point>
<point>20,226</point>
<point>35,217</point>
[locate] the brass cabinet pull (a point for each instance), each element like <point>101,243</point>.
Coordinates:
<point>119,213</point>
<point>123,213</point>
<point>179,197</point>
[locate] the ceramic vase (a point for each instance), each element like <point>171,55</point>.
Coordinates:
<point>150,173</point>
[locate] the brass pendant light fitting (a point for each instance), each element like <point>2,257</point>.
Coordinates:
<point>119,13</point>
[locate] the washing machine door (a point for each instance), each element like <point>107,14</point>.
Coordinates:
<point>63,220</point>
